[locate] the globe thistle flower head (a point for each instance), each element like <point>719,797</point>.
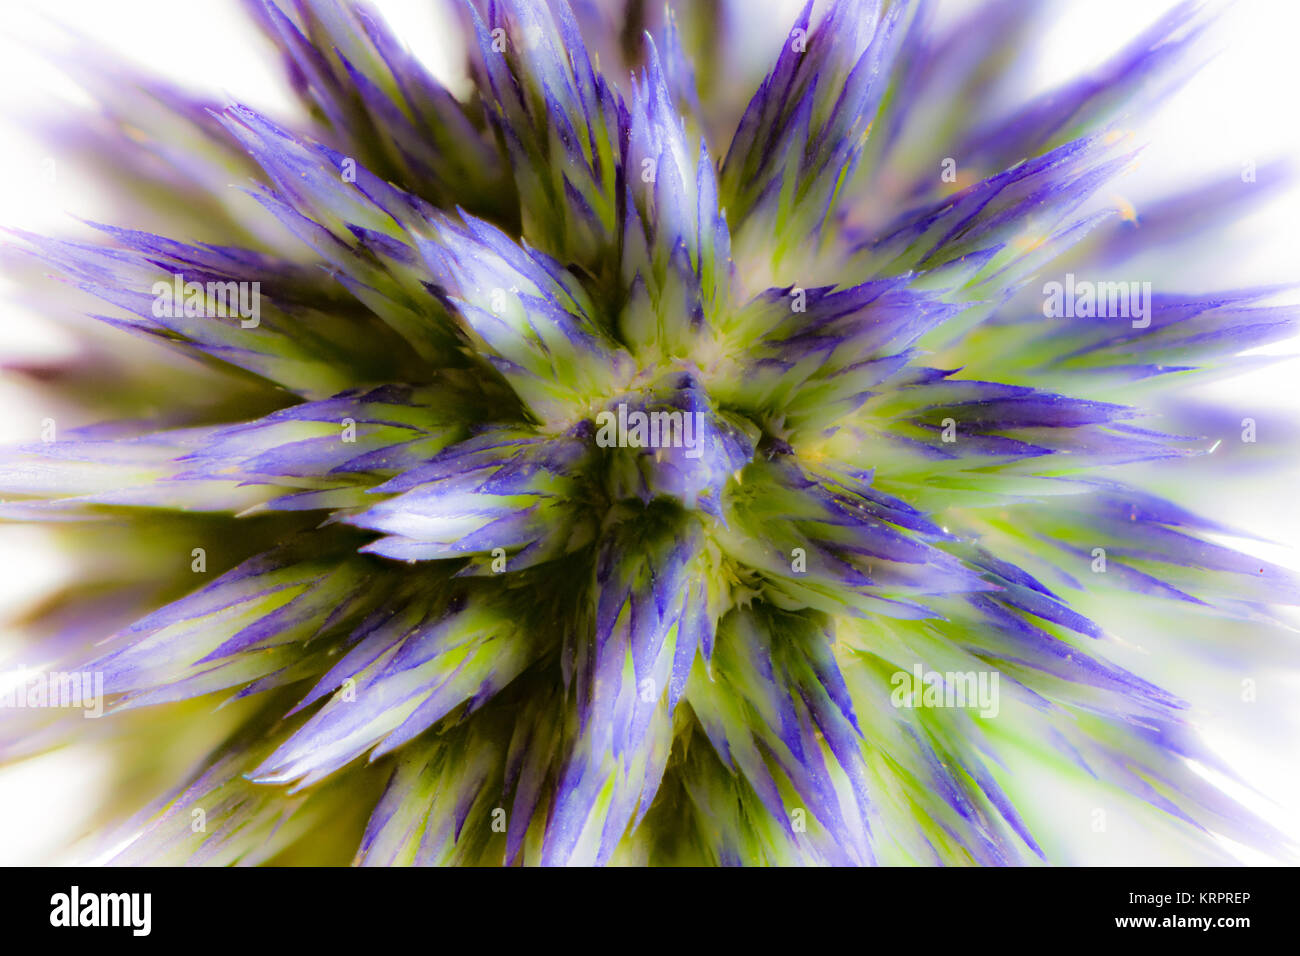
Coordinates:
<point>596,469</point>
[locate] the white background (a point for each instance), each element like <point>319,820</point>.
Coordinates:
<point>1243,106</point>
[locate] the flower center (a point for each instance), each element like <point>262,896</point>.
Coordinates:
<point>669,441</point>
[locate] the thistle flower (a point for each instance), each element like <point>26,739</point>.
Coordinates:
<point>598,467</point>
